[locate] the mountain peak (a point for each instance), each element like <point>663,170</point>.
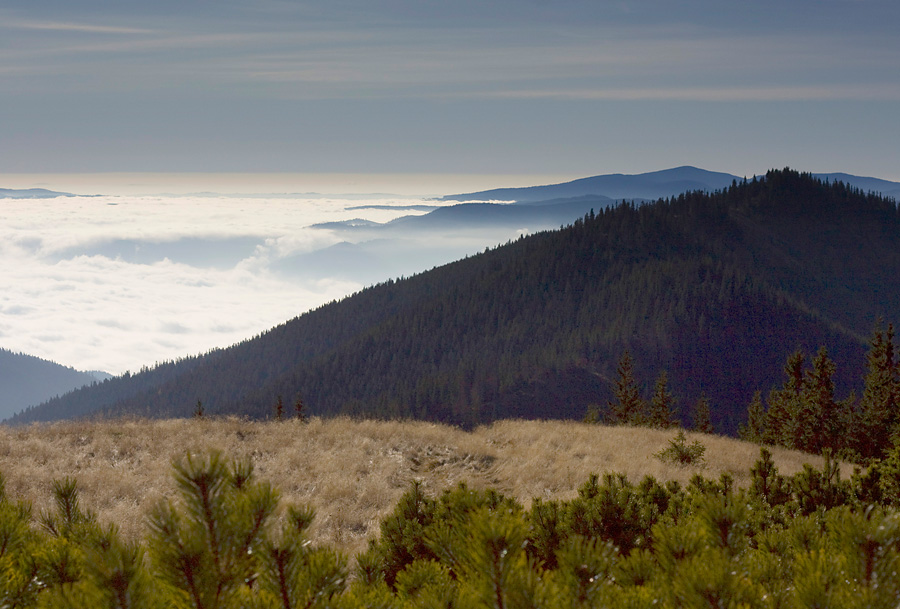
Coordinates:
<point>651,185</point>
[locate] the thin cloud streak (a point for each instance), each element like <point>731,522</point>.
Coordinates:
<point>445,87</point>
<point>167,42</point>
<point>874,92</point>
<point>451,60</point>
<point>345,63</point>
<point>59,26</point>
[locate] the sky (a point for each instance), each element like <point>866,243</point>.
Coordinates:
<point>512,87</point>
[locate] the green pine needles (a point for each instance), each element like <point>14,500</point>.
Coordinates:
<point>679,452</point>
<point>225,541</point>
<point>804,413</point>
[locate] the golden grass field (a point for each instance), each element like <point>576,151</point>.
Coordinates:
<point>352,471</point>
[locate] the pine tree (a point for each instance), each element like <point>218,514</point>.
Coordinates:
<point>662,413</point>
<point>299,410</point>
<point>766,483</point>
<point>206,545</point>
<point>592,415</point>
<point>628,408</point>
<point>701,416</point>
<point>820,415</point>
<point>755,428</point>
<point>879,410</point>
<point>784,404</point>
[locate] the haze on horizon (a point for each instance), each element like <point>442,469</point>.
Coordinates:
<point>255,184</point>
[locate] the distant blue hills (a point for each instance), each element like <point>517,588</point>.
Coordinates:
<point>617,186</point>
<point>884,187</point>
<point>652,185</point>
<point>373,247</point>
<point>26,380</point>
<point>32,193</point>
<point>552,205</point>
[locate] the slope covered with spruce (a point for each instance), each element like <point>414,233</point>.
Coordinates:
<point>715,288</point>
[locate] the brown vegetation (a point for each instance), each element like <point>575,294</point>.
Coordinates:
<point>352,471</point>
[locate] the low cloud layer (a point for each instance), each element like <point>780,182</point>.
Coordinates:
<point>117,283</point>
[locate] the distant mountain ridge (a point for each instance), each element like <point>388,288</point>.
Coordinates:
<point>373,248</point>
<point>883,187</point>
<point>652,185</point>
<point>717,288</point>
<point>26,380</point>
<point>32,193</point>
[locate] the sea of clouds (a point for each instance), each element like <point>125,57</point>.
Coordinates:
<point>115,283</point>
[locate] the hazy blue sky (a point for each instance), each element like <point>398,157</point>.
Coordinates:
<point>509,86</point>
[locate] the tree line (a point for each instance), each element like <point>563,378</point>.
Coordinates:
<point>804,413</point>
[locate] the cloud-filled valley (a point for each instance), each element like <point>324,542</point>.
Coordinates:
<point>115,283</point>
<point>119,283</point>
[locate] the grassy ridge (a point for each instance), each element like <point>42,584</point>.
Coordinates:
<point>352,471</point>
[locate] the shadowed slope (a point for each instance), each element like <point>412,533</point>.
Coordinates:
<point>717,289</point>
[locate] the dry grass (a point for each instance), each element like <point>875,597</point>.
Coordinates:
<point>352,472</point>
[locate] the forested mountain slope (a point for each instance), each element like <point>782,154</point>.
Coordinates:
<point>715,288</point>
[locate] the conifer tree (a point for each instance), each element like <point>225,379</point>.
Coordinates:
<point>295,573</point>
<point>592,415</point>
<point>205,546</point>
<point>701,416</point>
<point>628,406</point>
<point>491,561</point>
<point>766,483</point>
<point>879,410</point>
<point>784,403</point>
<point>755,428</point>
<point>20,563</point>
<point>662,413</point>
<point>888,476</point>
<point>299,409</point>
<point>819,418</point>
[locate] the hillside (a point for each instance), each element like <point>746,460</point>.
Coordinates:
<point>715,288</point>
<point>652,185</point>
<point>352,472</point>
<point>26,380</point>
<point>32,193</point>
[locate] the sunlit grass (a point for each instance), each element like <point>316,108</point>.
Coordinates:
<point>352,471</point>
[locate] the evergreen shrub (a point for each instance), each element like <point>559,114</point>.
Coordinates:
<point>679,452</point>
<point>225,541</point>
